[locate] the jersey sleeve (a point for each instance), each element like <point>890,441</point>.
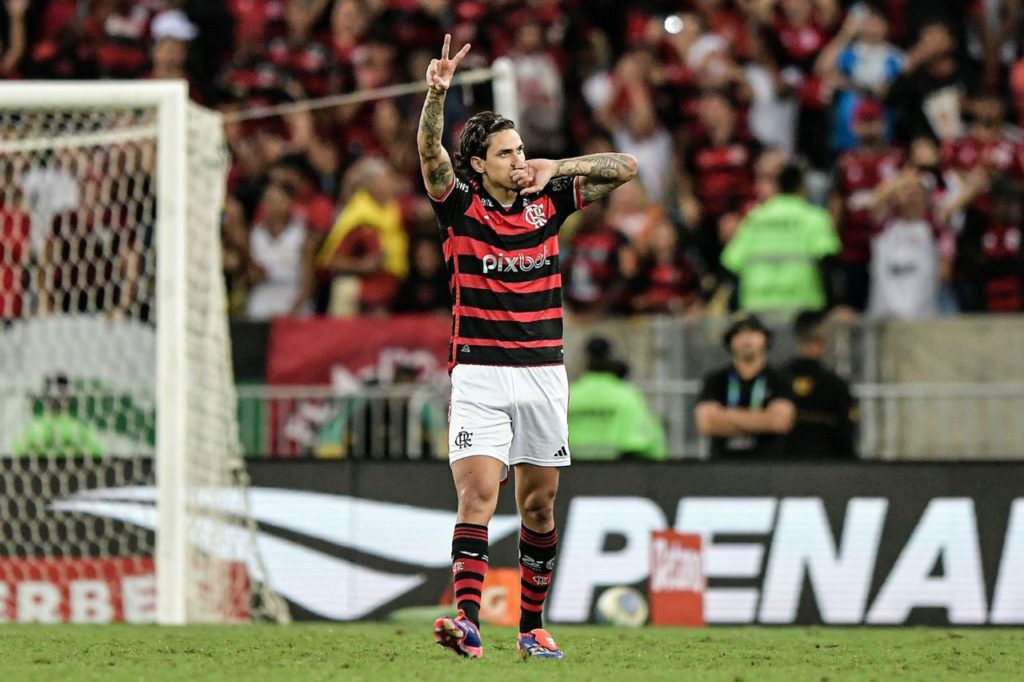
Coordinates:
<point>452,203</point>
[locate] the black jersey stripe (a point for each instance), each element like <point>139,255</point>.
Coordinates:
<point>519,303</point>
<point>478,328</point>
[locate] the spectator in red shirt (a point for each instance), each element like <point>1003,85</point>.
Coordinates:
<point>307,61</point>
<point>666,281</point>
<point>718,173</point>
<point>120,31</point>
<point>597,264</point>
<point>857,174</point>
<point>991,253</point>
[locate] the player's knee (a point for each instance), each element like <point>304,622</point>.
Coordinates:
<point>539,509</point>
<point>477,500</point>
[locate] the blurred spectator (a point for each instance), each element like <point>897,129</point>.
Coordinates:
<point>540,93</point>
<point>906,264</point>
<point>666,280</point>
<point>928,91</point>
<point>986,147</point>
<point>307,61</point>
<point>719,173</point>
<point>120,31</point>
<point>773,107</point>
<point>861,66</point>
<point>991,252</point>
<point>57,431</point>
<point>608,417</point>
<point>280,260</point>
<point>800,29</point>
<point>596,265</point>
<point>627,111</point>
<point>172,32</point>
<point>826,412</point>
<point>367,250</point>
<point>767,168</point>
<point>780,249</point>
<point>312,207</point>
<point>61,53</point>
<point>746,408</point>
<point>858,173</point>
<point>426,288</point>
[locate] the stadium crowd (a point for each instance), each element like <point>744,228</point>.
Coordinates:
<point>900,117</point>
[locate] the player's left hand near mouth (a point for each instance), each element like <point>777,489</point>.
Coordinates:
<point>536,175</point>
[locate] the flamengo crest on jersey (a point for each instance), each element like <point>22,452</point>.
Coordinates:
<point>503,266</point>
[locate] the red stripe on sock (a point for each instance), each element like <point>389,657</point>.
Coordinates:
<point>531,538</point>
<point>470,533</point>
<point>530,607</point>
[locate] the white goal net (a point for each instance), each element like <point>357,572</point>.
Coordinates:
<point>122,487</point>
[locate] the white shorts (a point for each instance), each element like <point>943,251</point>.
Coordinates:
<point>518,415</point>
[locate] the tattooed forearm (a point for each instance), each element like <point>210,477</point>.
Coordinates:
<point>428,137</point>
<point>608,166</point>
<point>592,191</point>
<point>434,161</point>
<point>601,173</point>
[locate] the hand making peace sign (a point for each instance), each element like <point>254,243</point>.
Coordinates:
<point>440,71</point>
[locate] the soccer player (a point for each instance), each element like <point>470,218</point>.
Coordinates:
<point>499,214</point>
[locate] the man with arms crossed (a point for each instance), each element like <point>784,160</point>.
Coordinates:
<point>746,408</point>
<point>499,214</point>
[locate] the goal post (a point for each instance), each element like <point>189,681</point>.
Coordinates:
<point>111,285</point>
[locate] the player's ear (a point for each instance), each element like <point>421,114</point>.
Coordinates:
<point>477,163</point>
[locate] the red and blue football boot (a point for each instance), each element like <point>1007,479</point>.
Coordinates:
<point>460,635</point>
<point>538,643</point>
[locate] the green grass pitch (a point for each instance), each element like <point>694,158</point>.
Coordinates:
<point>377,651</point>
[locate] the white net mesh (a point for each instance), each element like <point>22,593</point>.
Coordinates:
<point>78,342</point>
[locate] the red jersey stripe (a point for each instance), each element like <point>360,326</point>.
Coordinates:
<point>509,316</point>
<point>501,286</point>
<point>501,343</point>
<point>467,246</point>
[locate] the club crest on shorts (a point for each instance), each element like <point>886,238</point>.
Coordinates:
<point>463,439</point>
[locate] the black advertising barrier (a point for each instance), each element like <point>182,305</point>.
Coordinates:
<point>872,543</point>
<point>856,543</point>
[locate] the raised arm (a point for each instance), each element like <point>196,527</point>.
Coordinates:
<point>435,164</point>
<point>600,173</point>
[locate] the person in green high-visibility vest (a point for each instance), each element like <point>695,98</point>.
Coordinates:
<point>782,251</point>
<point>57,432</point>
<point>608,416</point>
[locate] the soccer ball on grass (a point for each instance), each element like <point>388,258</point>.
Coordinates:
<point>622,606</point>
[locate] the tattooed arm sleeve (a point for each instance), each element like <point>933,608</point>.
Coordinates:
<point>435,163</point>
<point>599,173</point>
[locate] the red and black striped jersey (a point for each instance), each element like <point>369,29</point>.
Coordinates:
<point>503,272</point>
